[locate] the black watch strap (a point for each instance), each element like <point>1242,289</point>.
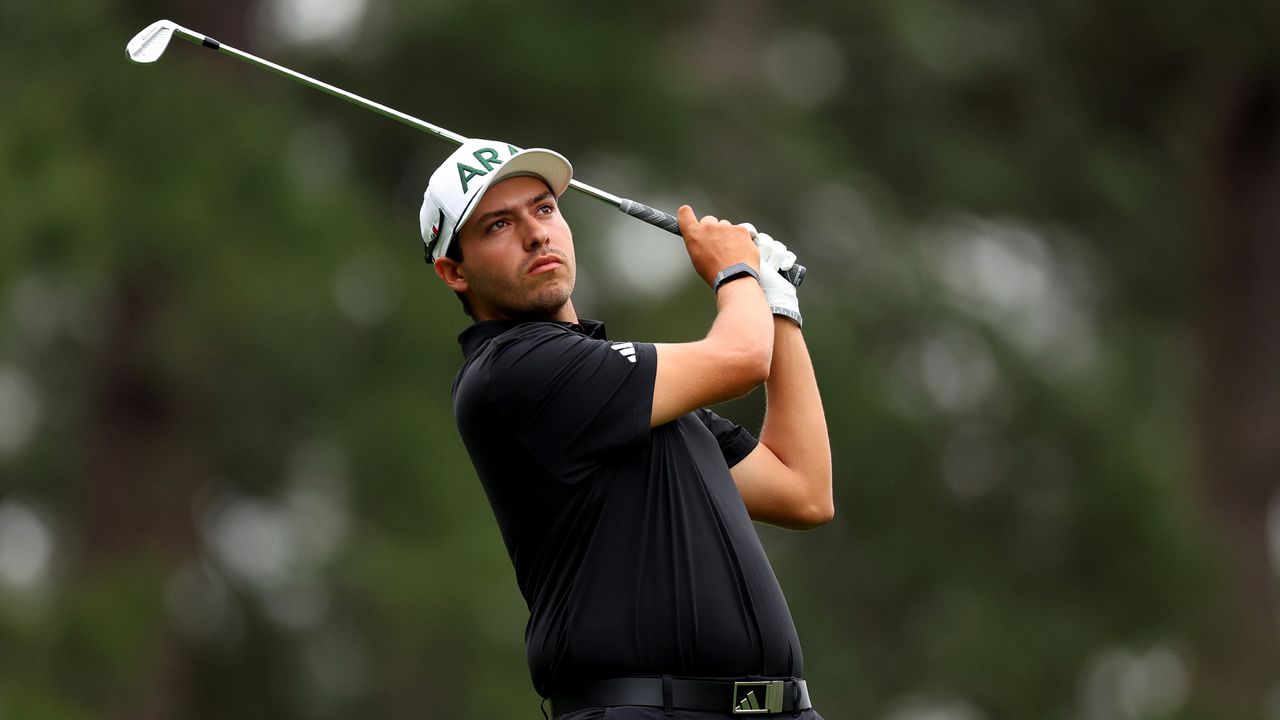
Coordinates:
<point>733,272</point>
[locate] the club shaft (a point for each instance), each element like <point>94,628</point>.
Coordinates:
<point>436,130</point>
<point>638,210</point>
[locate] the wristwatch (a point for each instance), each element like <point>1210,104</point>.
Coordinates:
<point>733,272</point>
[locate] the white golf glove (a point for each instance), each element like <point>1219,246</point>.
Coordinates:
<point>775,257</point>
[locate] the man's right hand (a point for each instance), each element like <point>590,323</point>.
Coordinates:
<point>715,244</point>
<point>734,356</point>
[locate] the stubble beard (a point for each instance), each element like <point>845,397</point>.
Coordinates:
<point>510,299</point>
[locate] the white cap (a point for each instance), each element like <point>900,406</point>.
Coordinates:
<point>456,186</point>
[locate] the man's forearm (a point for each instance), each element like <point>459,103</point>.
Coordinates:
<point>731,361</point>
<point>742,325</point>
<point>795,426</point>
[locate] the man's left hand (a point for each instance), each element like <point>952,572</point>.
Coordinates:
<point>775,258</point>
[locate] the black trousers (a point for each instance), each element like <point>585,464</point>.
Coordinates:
<point>641,712</point>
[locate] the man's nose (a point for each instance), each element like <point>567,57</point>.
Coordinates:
<point>535,235</point>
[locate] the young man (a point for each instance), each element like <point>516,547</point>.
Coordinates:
<point>625,505</point>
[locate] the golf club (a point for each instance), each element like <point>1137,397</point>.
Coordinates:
<point>148,45</point>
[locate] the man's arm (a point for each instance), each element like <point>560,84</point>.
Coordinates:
<point>786,480</point>
<point>734,357</point>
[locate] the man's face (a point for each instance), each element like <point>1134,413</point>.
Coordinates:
<point>517,255</point>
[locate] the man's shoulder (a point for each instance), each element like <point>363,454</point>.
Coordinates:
<point>529,359</point>
<point>517,346</point>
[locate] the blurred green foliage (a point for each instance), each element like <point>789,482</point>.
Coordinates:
<point>230,485</point>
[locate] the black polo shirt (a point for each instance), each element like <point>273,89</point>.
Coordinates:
<point>631,545</point>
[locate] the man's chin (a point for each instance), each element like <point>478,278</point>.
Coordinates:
<point>544,305</point>
<point>547,306</point>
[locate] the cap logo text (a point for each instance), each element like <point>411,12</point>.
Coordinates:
<point>487,158</point>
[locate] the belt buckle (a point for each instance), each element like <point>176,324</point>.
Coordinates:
<point>747,701</point>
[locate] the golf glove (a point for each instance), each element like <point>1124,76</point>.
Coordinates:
<point>775,257</point>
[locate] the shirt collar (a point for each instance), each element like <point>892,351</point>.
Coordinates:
<point>474,337</point>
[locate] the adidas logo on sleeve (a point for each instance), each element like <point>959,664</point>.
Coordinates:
<point>627,350</point>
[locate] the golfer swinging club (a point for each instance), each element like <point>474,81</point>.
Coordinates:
<point>625,505</point>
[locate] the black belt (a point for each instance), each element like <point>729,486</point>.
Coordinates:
<point>743,697</point>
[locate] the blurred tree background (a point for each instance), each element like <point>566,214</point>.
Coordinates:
<point>1044,306</point>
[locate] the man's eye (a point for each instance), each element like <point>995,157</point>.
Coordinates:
<point>547,209</point>
<point>498,225</point>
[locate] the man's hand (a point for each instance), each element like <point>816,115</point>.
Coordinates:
<point>714,244</point>
<point>734,356</point>
<point>774,259</point>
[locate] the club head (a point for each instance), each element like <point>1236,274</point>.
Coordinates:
<point>148,45</point>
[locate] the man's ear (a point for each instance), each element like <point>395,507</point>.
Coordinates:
<point>451,272</point>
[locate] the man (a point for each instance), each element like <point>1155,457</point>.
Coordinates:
<point>625,505</point>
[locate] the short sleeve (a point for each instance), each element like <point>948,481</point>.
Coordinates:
<point>572,401</point>
<point>735,441</point>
